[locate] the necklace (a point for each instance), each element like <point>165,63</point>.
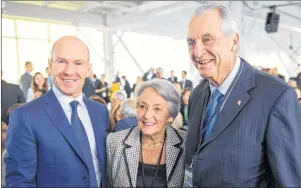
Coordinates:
<point>157,166</point>
<point>152,145</point>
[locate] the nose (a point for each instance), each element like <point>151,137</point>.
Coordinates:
<point>148,114</point>
<point>69,69</point>
<point>199,49</point>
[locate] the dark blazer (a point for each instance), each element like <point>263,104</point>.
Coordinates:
<point>256,140</point>
<point>42,149</point>
<point>174,81</point>
<point>25,83</point>
<point>10,95</point>
<point>99,85</point>
<point>188,84</point>
<point>88,88</point>
<point>127,89</point>
<point>123,150</point>
<point>125,123</point>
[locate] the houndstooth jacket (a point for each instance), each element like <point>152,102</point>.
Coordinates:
<point>123,150</point>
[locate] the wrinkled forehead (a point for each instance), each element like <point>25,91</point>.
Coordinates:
<point>208,22</point>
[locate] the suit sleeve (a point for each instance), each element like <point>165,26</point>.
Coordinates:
<point>21,153</point>
<point>283,139</point>
<point>21,98</point>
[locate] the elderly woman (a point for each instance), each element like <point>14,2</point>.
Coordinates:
<point>152,153</point>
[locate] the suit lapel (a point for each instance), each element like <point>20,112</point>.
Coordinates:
<point>235,103</point>
<point>174,151</point>
<point>197,115</point>
<point>132,154</point>
<point>59,119</point>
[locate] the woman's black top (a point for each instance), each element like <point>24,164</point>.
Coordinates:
<point>149,173</point>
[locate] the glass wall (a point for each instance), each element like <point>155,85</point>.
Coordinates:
<point>27,40</point>
<point>150,51</point>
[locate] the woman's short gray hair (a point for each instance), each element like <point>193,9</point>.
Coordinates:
<point>166,90</point>
<point>229,26</point>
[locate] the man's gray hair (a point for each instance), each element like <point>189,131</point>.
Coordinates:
<point>166,90</point>
<point>119,95</point>
<point>229,26</point>
<point>160,69</point>
<point>128,108</point>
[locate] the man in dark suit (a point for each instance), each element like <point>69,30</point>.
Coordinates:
<point>88,88</point>
<point>26,78</point>
<point>185,83</point>
<point>172,78</point>
<point>49,78</point>
<point>126,86</point>
<point>10,95</point>
<point>58,140</point>
<point>244,125</point>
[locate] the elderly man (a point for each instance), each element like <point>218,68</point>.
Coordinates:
<point>117,98</point>
<point>58,140</point>
<point>244,125</point>
<point>128,115</point>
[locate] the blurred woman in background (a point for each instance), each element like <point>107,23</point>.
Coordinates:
<point>38,87</point>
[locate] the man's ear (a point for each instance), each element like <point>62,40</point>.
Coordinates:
<point>89,70</point>
<point>235,40</point>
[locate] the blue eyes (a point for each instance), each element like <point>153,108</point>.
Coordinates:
<point>61,61</point>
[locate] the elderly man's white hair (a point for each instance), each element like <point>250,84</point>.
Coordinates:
<point>229,26</point>
<point>128,108</point>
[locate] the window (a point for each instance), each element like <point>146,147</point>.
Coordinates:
<point>35,51</point>
<point>9,61</point>
<point>59,30</point>
<point>8,27</point>
<point>94,41</point>
<point>33,30</point>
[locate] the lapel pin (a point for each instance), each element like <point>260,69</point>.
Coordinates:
<point>239,102</point>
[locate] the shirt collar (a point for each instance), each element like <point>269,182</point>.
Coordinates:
<point>223,88</point>
<point>28,72</point>
<point>65,100</point>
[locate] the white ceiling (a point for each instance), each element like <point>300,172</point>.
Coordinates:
<point>167,18</point>
<point>170,18</point>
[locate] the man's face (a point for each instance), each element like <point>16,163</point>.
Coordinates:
<point>48,70</point>
<point>183,75</point>
<point>171,74</point>
<point>211,51</point>
<point>70,66</point>
<point>29,67</point>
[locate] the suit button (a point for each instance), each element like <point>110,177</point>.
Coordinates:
<point>86,177</point>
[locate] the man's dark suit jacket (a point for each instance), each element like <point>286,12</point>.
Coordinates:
<point>88,88</point>
<point>256,139</point>
<point>174,81</point>
<point>127,89</point>
<point>25,83</point>
<point>188,84</point>
<point>10,95</point>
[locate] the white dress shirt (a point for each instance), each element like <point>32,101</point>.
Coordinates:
<point>224,87</point>
<point>85,118</point>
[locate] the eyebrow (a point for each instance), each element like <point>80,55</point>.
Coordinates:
<point>204,35</point>
<point>61,58</point>
<point>153,104</point>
